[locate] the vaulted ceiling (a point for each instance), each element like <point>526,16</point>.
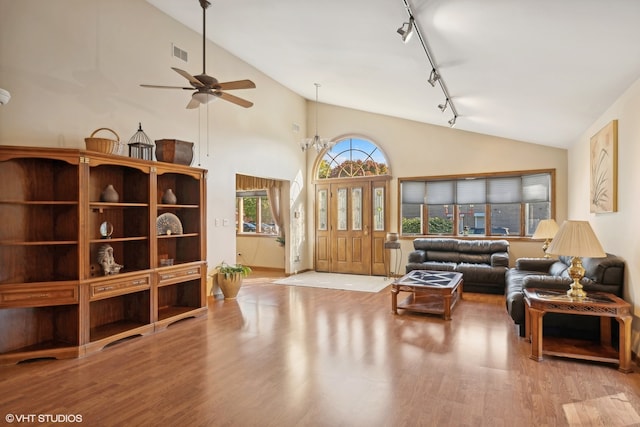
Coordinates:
<point>538,71</point>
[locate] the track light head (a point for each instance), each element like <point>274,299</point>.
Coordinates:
<point>406,30</point>
<point>444,106</point>
<point>433,77</point>
<point>452,122</point>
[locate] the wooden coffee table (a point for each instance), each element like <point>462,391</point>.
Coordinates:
<point>604,305</point>
<point>435,292</point>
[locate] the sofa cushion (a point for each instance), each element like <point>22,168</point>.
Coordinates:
<point>482,273</point>
<point>475,258</point>
<point>443,256</point>
<point>558,268</point>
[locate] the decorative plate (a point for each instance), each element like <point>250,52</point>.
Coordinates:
<point>168,224</point>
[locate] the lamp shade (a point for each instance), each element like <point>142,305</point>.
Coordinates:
<point>547,229</point>
<point>577,239</point>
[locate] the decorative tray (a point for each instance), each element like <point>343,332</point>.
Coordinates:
<point>168,224</point>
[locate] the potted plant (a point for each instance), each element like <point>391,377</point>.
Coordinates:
<point>230,278</point>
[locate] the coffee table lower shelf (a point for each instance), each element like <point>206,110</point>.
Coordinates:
<point>430,304</point>
<point>578,349</point>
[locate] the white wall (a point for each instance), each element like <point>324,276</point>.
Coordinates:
<point>619,232</point>
<point>73,66</point>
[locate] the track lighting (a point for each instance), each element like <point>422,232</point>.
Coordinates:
<point>433,77</point>
<point>406,30</point>
<point>444,106</point>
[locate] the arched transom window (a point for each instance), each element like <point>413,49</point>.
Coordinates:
<point>352,157</point>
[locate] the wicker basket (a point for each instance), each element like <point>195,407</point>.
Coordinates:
<point>104,145</point>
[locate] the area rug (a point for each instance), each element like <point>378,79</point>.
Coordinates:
<point>347,282</point>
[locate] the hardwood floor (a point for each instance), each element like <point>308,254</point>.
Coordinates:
<point>295,356</point>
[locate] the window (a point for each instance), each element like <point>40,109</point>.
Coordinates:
<point>254,210</point>
<point>504,204</point>
<point>352,157</point>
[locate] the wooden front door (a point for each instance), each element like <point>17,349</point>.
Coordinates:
<point>351,226</point>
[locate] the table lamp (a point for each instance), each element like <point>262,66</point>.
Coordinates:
<point>547,229</point>
<point>576,239</point>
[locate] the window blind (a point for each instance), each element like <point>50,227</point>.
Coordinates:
<point>440,193</point>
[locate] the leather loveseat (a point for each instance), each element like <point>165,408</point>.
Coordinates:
<point>601,274</point>
<point>483,263</point>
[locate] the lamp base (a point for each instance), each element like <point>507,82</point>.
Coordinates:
<point>576,272</point>
<point>545,247</point>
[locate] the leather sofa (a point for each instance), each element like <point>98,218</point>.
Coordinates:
<point>601,274</point>
<point>483,263</point>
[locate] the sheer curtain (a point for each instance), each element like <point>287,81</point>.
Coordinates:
<point>246,182</point>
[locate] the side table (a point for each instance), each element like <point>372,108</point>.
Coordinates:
<point>393,245</point>
<point>604,305</point>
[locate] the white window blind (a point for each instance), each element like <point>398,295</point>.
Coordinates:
<point>413,192</point>
<point>536,188</point>
<point>471,191</point>
<point>504,190</point>
<point>440,193</point>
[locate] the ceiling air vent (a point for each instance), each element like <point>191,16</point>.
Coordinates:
<point>179,53</point>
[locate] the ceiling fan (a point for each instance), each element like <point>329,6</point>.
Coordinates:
<point>208,88</point>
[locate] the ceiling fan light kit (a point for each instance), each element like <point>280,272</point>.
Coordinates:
<point>434,77</point>
<point>208,88</point>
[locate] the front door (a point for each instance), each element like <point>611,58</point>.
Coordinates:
<point>351,226</point>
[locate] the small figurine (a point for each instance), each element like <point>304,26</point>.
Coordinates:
<point>106,260</point>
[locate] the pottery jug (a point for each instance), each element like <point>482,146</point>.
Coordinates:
<point>109,194</point>
<point>169,197</point>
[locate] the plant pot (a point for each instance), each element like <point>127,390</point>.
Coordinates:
<point>230,285</point>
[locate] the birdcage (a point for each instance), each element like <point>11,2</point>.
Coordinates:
<point>140,146</point>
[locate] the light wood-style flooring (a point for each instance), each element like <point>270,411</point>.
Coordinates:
<point>294,356</point>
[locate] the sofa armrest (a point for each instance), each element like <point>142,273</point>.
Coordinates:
<point>417,256</point>
<point>500,259</point>
<point>546,282</point>
<point>535,264</point>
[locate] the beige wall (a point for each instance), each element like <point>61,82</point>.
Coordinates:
<point>618,232</point>
<point>418,149</point>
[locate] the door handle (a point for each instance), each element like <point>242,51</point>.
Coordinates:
<point>366,230</point>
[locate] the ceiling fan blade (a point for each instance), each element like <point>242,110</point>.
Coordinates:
<point>167,87</point>
<point>195,82</point>
<point>238,84</point>
<point>194,103</point>
<point>234,99</point>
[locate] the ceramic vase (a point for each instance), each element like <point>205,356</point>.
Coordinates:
<point>109,194</point>
<point>230,286</point>
<point>169,197</point>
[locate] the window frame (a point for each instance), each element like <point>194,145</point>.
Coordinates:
<point>453,210</point>
<point>253,194</point>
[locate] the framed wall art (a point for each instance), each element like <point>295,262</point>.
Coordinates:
<point>604,169</point>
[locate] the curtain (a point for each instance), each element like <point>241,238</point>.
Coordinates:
<point>246,182</point>
<point>273,193</point>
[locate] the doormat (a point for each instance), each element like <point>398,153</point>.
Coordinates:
<point>346,282</point>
